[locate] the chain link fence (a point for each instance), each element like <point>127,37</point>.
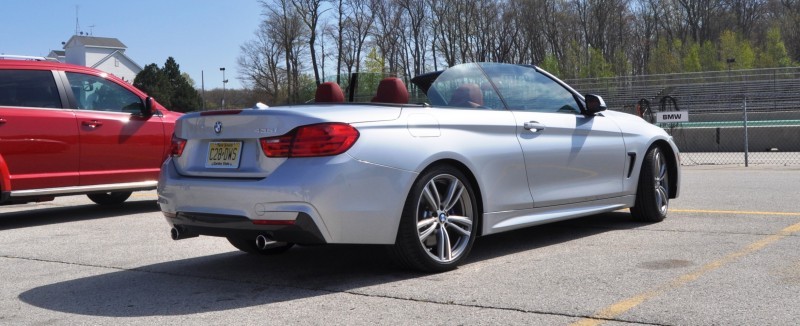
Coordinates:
<point>734,117</point>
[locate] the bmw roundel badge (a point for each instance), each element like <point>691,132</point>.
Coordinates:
<point>218,127</point>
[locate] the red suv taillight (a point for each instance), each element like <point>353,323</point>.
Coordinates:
<point>324,139</point>
<point>176,148</point>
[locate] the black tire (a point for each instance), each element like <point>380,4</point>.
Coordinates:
<point>110,198</point>
<point>652,193</point>
<point>439,222</point>
<point>248,245</point>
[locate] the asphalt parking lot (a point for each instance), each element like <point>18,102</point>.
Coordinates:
<point>726,255</point>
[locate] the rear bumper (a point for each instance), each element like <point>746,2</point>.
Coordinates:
<point>320,200</point>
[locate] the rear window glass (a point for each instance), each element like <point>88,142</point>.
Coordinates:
<point>28,88</point>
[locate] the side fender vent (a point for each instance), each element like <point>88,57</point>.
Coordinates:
<point>631,162</point>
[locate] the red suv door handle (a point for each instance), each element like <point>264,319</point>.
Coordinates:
<point>92,124</point>
<point>2,121</point>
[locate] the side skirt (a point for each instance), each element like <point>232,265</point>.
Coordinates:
<point>497,222</point>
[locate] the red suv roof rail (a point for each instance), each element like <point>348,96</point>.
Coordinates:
<point>25,57</point>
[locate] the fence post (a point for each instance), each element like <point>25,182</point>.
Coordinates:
<point>746,133</point>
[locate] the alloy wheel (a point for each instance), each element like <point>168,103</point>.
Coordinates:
<point>444,218</point>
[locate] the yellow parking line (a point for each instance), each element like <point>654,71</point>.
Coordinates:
<point>625,305</point>
<point>733,212</point>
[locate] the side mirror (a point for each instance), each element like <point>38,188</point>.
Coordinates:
<point>594,104</point>
<point>149,107</point>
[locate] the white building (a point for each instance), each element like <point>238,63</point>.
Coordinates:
<point>103,53</point>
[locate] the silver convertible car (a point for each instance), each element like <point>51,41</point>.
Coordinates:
<point>494,147</point>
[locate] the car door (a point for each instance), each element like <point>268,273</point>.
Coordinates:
<point>118,144</point>
<point>38,137</point>
<point>470,119</point>
<point>569,157</point>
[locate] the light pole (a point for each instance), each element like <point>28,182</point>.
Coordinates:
<point>224,81</point>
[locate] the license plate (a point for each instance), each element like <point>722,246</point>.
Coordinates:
<point>224,155</point>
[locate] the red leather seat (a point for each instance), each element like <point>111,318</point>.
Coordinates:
<point>391,90</point>
<point>329,92</point>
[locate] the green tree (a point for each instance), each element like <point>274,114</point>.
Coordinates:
<point>709,59</point>
<point>153,82</point>
<point>691,59</point>
<point>663,60</point>
<point>184,97</point>
<point>374,62</point>
<point>169,86</point>
<point>571,63</point>
<point>620,63</point>
<point>189,79</point>
<point>550,63</point>
<point>733,47</point>
<point>370,76</point>
<point>598,66</point>
<point>774,53</point>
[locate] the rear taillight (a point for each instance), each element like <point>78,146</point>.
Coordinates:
<point>324,139</point>
<point>176,148</point>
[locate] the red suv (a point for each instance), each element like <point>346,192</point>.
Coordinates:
<point>67,130</point>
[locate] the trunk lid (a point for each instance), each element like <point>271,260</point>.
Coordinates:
<point>226,143</point>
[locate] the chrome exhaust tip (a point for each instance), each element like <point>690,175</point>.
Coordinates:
<point>178,233</point>
<point>264,241</point>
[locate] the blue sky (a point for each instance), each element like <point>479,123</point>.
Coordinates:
<point>202,35</point>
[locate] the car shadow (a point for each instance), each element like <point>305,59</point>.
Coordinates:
<point>65,214</point>
<point>236,280</point>
<point>506,243</point>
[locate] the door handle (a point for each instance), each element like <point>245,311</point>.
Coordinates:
<point>2,121</point>
<point>92,124</point>
<point>533,126</point>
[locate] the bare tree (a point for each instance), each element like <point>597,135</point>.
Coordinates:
<point>572,36</point>
<point>747,13</point>
<point>340,13</point>
<point>259,64</point>
<point>309,11</point>
<point>790,18</point>
<point>698,14</point>
<point>416,12</point>
<point>445,33</point>
<point>285,28</point>
<point>388,34</point>
<point>643,33</point>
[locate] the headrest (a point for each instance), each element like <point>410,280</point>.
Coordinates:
<point>391,90</point>
<point>329,92</point>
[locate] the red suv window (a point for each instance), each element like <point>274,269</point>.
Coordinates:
<point>28,88</point>
<point>95,93</point>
